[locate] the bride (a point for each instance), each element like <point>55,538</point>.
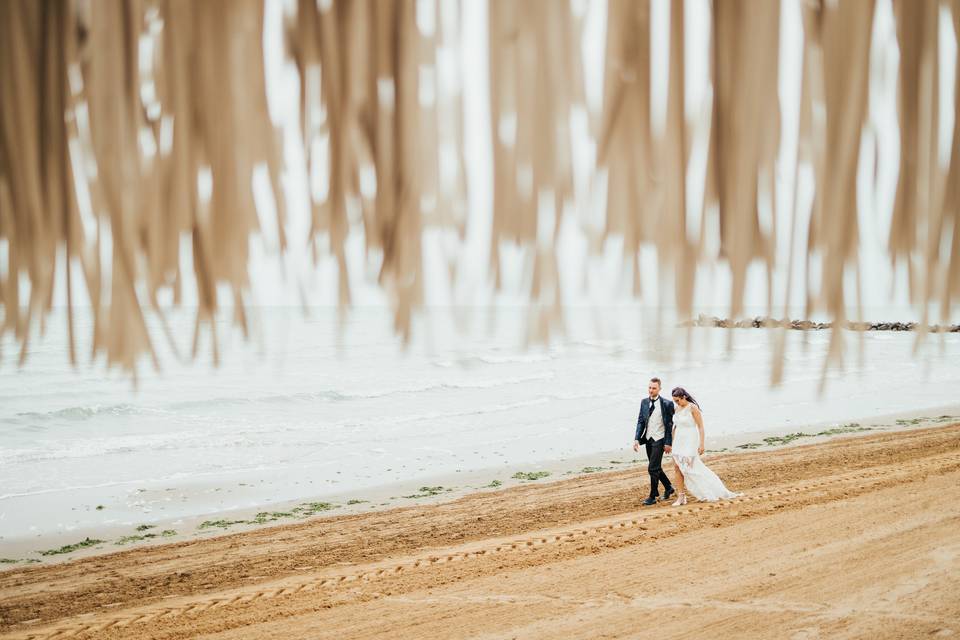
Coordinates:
<point>692,474</point>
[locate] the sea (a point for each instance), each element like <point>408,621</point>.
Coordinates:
<point>314,403</point>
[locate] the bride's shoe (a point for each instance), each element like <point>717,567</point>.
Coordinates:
<point>681,500</point>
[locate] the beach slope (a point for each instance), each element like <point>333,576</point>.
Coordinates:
<point>853,537</point>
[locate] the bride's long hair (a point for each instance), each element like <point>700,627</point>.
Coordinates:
<point>680,392</point>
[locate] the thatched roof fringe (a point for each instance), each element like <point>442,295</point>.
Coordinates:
<point>127,125</point>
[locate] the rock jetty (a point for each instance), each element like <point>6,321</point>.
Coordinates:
<point>809,325</point>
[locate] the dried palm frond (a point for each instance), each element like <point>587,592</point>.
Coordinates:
<point>842,32</point>
<point>132,130</point>
<point>951,203</point>
<point>625,146</point>
<point>535,83</point>
<point>38,208</point>
<point>744,134</point>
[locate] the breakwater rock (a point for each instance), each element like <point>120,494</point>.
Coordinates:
<point>809,325</point>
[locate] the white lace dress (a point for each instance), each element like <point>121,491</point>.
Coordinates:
<point>700,481</point>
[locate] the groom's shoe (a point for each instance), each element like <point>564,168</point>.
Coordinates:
<point>649,501</point>
<point>669,492</point>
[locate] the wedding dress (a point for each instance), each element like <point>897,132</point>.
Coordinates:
<point>697,478</point>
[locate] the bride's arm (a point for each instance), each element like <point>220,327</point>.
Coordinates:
<point>698,418</point>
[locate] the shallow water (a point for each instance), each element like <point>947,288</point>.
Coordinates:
<point>310,408</point>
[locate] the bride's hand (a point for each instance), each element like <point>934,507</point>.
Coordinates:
<point>700,450</point>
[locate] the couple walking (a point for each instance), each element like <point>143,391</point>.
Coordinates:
<point>675,428</point>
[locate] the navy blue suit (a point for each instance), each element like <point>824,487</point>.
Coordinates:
<point>655,447</point>
<point>666,410</point>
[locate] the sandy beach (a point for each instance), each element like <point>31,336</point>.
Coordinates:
<point>850,537</point>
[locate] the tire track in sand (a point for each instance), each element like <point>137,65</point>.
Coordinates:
<point>166,618</point>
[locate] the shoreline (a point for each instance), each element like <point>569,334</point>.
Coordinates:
<point>60,546</point>
<point>812,547</point>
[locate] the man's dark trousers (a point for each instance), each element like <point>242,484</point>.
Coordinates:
<point>654,466</point>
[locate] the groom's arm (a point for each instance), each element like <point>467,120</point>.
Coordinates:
<point>640,425</point>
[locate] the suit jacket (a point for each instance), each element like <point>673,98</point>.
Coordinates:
<point>666,410</point>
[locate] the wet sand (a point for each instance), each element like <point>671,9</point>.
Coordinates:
<point>851,537</point>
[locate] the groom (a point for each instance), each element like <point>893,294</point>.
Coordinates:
<point>655,431</point>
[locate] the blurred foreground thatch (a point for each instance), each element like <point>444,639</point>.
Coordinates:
<point>130,129</point>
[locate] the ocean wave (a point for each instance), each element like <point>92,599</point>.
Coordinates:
<point>179,477</point>
<point>346,396</point>
<point>497,408</point>
<point>468,362</point>
<point>79,413</point>
<point>229,436</point>
<point>542,399</point>
<point>128,444</point>
<point>176,409</point>
<point>614,344</point>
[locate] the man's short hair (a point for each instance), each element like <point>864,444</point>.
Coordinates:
<point>657,380</point>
